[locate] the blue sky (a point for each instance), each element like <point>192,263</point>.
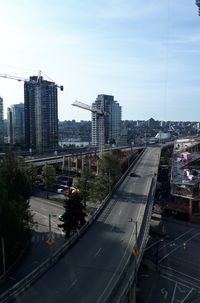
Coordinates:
<point>145,53</point>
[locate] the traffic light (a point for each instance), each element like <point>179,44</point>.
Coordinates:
<point>184,245</point>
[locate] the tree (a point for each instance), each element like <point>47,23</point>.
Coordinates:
<point>32,172</point>
<point>108,174</point>
<point>83,183</point>
<point>100,187</point>
<point>49,177</point>
<point>109,165</point>
<point>74,215</point>
<point>15,217</point>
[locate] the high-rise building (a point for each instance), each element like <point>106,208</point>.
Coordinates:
<point>41,114</point>
<point>15,118</point>
<point>106,128</point>
<point>1,124</point>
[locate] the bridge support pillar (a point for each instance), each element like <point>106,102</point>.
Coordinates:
<point>132,293</point>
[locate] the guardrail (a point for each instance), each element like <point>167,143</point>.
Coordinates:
<point>132,263</point>
<point>125,282</point>
<point>26,282</point>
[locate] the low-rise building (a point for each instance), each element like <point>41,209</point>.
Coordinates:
<point>185,179</point>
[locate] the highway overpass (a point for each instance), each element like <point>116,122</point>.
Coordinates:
<point>92,267</point>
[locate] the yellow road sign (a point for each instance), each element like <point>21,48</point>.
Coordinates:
<point>50,241</point>
<point>135,251</point>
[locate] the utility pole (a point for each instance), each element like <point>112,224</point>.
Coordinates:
<point>51,215</point>
<point>3,255</point>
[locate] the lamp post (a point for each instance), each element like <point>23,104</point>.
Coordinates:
<point>3,255</point>
<point>51,215</point>
<point>50,241</point>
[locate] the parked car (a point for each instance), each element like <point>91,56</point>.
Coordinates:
<point>60,217</point>
<point>62,188</point>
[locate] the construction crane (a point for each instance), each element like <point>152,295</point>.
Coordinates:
<point>100,114</point>
<point>198,4</point>
<point>13,77</point>
<point>93,109</point>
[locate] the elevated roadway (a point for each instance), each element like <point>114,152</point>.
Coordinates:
<point>61,158</point>
<point>92,267</point>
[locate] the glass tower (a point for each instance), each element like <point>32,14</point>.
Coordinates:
<point>41,114</point>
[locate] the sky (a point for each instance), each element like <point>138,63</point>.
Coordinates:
<point>144,53</point>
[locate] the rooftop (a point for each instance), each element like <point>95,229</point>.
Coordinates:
<point>185,176</point>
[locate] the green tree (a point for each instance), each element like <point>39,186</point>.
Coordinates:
<point>49,177</point>
<point>100,187</point>
<point>108,174</point>
<point>109,165</point>
<point>74,215</point>
<point>32,172</point>
<point>83,183</point>
<point>15,216</point>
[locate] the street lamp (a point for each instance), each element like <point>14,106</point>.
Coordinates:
<point>51,215</point>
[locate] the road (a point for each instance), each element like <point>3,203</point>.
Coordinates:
<point>41,209</point>
<point>40,251</point>
<point>178,276</point>
<point>92,266</point>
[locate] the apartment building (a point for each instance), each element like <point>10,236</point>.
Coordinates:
<point>41,114</point>
<point>106,127</point>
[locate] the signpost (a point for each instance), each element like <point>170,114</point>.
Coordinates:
<point>135,251</point>
<point>50,241</point>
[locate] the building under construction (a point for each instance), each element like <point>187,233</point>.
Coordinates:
<point>185,179</point>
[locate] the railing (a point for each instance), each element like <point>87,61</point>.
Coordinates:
<point>26,282</point>
<point>124,283</point>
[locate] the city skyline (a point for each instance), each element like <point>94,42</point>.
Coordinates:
<point>144,54</point>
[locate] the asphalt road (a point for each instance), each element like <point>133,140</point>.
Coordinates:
<point>93,265</point>
<point>39,249</point>
<point>41,210</point>
<point>177,279</point>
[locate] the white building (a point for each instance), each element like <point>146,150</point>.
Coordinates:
<point>106,128</point>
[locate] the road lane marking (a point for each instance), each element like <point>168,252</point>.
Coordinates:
<point>187,295</point>
<point>73,283</point>
<point>177,248</point>
<point>172,242</point>
<point>98,251</point>
<point>173,280</point>
<point>178,279</point>
<point>179,272</point>
<point>174,293</point>
<point>164,292</point>
<point>120,212</point>
<point>40,201</point>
